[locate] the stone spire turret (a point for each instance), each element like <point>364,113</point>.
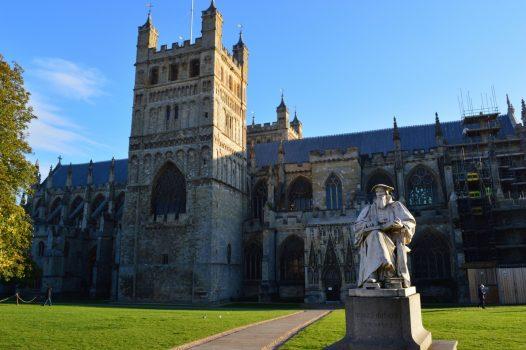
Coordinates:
<point>523,112</point>
<point>252,156</point>
<point>511,110</point>
<point>37,172</point>
<point>69,178</point>
<point>396,132</point>
<point>49,181</point>
<point>296,124</point>
<point>283,113</point>
<point>89,180</point>
<point>211,27</point>
<point>147,38</point>
<point>281,153</point>
<point>111,178</point>
<point>439,135</point>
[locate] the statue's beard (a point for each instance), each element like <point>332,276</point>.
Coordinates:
<point>381,202</point>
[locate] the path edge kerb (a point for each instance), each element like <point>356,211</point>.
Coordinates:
<point>276,343</point>
<point>228,332</point>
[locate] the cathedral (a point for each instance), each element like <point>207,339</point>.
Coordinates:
<point>208,209</point>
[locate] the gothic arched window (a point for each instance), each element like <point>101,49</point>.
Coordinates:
<point>154,75</point>
<point>333,193</point>
<point>300,195</point>
<point>259,198</point>
<point>195,66</point>
<point>422,187</point>
<point>430,257</point>
<point>119,206</point>
<point>253,255</point>
<point>77,211</point>
<point>169,192</point>
<point>54,211</point>
<point>174,71</point>
<point>291,262</point>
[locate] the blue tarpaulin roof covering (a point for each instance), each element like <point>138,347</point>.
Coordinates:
<point>101,173</point>
<point>297,151</point>
<point>368,142</point>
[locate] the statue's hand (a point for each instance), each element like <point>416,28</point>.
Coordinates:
<point>397,224</point>
<point>393,225</point>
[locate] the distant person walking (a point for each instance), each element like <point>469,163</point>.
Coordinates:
<point>482,296</point>
<point>49,293</point>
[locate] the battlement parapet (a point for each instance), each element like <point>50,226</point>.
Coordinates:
<point>176,48</point>
<point>336,154</point>
<point>262,127</point>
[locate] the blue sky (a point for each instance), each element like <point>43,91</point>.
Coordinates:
<point>346,65</point>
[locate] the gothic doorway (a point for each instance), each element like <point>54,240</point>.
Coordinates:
<point>331,274</point>
<point>332,282</point>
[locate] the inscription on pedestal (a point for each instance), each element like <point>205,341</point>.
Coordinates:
<point>377,319</point>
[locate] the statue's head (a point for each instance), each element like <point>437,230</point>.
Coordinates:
<point>383,194</point>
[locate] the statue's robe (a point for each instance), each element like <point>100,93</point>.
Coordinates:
<point>380,249</point>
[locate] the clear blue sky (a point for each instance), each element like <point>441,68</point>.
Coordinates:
<point>346,65</point>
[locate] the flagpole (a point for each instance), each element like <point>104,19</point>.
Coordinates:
<point>192,22</point>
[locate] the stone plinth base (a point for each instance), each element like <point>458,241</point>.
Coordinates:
<point>388,319</point>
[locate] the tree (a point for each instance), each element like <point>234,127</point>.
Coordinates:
<point>17,174</point>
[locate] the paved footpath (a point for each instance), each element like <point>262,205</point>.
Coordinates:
<point>264,336</point>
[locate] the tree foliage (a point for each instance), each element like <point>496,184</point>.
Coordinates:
<point>17,174</point>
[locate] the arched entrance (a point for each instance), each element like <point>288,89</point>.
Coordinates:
<point>332,282</point>
<point>292,269</point>
<point>332,279</point>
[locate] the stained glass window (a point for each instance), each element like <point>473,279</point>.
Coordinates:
<point>300,195</point>
<point>169,192</point>
<point>430,257</point>
<point>422,188</point>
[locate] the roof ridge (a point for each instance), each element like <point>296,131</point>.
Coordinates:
<point>99,162</point>
<point>368,131</point>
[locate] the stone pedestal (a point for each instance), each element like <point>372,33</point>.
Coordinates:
<point>387,319</point>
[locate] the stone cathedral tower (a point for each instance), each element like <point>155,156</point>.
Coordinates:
<point>187,189</point>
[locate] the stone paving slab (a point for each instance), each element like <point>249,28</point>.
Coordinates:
<point>264,336</point>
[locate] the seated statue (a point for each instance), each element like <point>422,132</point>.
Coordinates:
<point>382,231</point>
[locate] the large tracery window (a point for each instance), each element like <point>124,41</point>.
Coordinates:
<point>259,198</point>
<point>422,188</point>
<point>300,195</point>
<point>333,193</point>
<point>291,262</point>
<point>54,211</point>
<point>169,192</point>
<point>430,257</point>
<point>77,212</point>
<point>253,262</point>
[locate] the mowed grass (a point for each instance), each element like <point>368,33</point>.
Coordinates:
<point>500,327</point>
<point>116,327</point>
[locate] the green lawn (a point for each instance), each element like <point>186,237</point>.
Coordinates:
<point>119,327</point>
<point>114,327</point>
<point>501,327</point>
